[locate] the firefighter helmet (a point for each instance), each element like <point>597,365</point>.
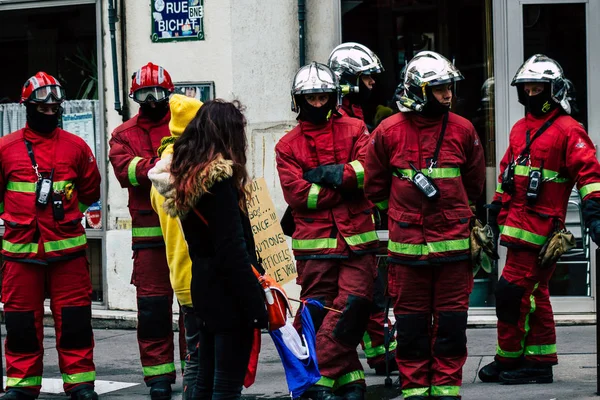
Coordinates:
<point>151,83</point>
<point>315,78</point>
<point>42,88</point>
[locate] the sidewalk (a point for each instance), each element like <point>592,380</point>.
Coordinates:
<point>118,367</point>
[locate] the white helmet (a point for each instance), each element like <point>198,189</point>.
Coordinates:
<point>350,60</point>
<point>541,68</point>
<point>315,78</point>
<point>427,68</point>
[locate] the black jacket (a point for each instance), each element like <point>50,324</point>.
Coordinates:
<point>225,293</point>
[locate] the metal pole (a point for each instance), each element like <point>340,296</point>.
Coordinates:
<point>113,45</point>
<point>301,30</point>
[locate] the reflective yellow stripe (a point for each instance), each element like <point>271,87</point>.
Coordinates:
<point>23,382</point>
<point>587,189</point>
<point>19,248</point>
<point>83,207</point>
<point>371,351</point>
<point>314,244</point>
<point>1,207</point>
<point>350,377</point>
<point>80,377</point>
<point>325,381</point>
<point>499,188</point>
<point>552,176</point>
<point>522,234</point>
<point>360,173</point>
<point>131,169</point>
<point>147,232</point>
<point>436,173</point>
<point>362,238</point>
<point>422,391</point>
<point>540,350</point>
<point>383,205</point>
<point>159,369</point>
<point>29,187</point>
<point>313,196</point>
<point>64,244</point>
<point>432,247</point>
<point>438,391</point>
<point>526,328</point>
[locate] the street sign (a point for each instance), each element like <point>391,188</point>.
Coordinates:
<point>177,20</point>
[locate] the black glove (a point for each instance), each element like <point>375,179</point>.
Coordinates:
<point>493,211</point>
<point>326,174</point>
<point>591,216</point>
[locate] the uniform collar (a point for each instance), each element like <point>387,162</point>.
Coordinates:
<point>148,125</point>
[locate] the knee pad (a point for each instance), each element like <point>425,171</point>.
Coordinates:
<point>451,338</point>
<point>21,335</point>
<point>316,314</point>
<point>353,322</point>
<point>508,301</point>
<point>154,317</point>
<point>412,336</point>
<point>76,327</point>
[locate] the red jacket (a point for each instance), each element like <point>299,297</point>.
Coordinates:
<point>32,234</point>
<point>567,156</point>
<point>422,230</point>
<point>133,147</point>
<point>352,110</point>
<point>329,221</point>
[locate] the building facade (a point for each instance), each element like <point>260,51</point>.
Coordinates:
<point>250,50</point>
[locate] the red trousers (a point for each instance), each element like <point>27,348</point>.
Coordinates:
<point>345,285</point>
<point>155,316</point>
<point>23,291</point>
<point>373,342</point>
<point>526,326</point>
<point>431,304</point>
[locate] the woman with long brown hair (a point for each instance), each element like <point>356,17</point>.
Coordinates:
<point>209,179</point>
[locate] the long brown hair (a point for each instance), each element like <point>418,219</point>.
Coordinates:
<point>218,130</point>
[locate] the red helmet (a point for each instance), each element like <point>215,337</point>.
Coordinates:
<point>151,83</point>
<point>42,88</point>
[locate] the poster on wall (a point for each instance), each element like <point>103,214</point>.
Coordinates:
<point>177,20</point>
<point>82,125</point>
<point>203,91</point>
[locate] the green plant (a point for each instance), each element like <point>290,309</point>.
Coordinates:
<point>88,67</point>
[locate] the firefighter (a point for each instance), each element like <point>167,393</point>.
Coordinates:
<point>133,152</point>
<point>548,153</point>
<point>356,66</point>
<point>428,163</point>
<point>47,177</point>
<point>320,165</point>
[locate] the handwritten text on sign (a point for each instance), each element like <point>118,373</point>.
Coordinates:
<point>268,236</point>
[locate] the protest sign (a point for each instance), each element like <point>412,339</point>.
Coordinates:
<point>270,242</point>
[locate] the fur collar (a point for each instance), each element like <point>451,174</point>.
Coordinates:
<point>216,171</point>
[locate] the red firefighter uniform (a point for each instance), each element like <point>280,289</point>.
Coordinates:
<point>133,152</point>
<point>566,156</point>
<point>42,253</point>
<point>334,239</point>
<point>373,341</point>
<point>430,276</point>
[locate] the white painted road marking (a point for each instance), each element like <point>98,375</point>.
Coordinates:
<point>55,386</point>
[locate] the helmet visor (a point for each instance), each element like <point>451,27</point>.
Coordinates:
<point>146,94</point>
<point>48,94</point>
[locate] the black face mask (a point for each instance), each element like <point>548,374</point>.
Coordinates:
<point>362,97</point>
<point>433,108</point>
<point>154,114</point>
<point>316,115</point>
<point>41,123</point>
<point>540,104</point>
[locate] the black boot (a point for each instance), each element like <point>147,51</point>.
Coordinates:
<point>492,371</point>
<point>380,367</point>
<point>417,398</point>
<point>160,390</point>
<point>446,398</point>
<point>317,392</point>
<point>533,373</point>
<point>352,391</point>
<point>18,395</point>
<point>85,393</point>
